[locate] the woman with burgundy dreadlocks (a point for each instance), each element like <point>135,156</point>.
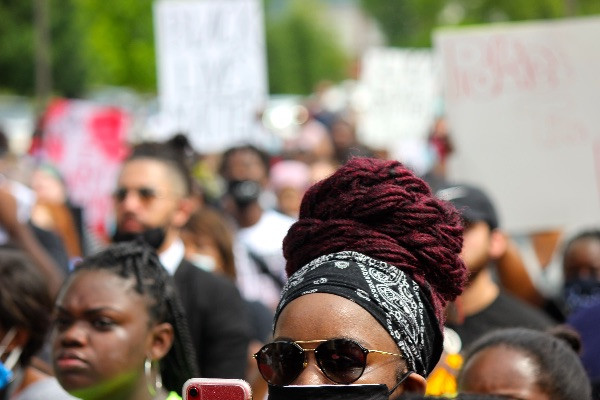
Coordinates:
<point>372,262</point>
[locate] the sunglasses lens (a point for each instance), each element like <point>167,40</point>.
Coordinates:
<point>280,362</point>
<point>120,194</point>
<point>146,193</point>
<point>341,360</point>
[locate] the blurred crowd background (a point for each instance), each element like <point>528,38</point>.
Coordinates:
<point>81,86</point>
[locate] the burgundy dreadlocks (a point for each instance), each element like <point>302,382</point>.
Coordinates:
<point>381,209</point>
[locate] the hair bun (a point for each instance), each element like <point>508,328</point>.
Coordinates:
<point>381,209</point>
<point>568,335</point>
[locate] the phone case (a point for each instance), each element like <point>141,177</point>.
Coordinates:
<point>216,389</point>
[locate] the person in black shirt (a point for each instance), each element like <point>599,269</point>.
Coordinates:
<point>484,306</point>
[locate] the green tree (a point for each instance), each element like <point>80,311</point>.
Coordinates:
<point>17,72</point>
<point>118,42</point>
<point>16,46</point>
<point>301,50</point>
<point>410,22</point>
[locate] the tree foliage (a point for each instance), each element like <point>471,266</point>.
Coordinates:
<point>301,50</point>
<point>118,42</point>
<point>17,51</point>
<point>99,42</point>
<point>410,22</point>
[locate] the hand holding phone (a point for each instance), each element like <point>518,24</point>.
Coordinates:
<point>216,389</point>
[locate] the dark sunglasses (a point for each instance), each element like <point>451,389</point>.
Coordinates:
<point>341,360</point>
<point>144,193</point>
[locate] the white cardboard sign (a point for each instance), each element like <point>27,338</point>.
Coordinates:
<point>523,105</point>
<point>401,91</point>
<point>211,70</point>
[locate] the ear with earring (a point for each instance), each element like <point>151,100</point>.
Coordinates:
<point>153,378</point>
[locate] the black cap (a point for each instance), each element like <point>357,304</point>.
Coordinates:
<point>471,202</point>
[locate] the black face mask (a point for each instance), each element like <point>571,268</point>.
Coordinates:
<point>244,193</point>
<point>334,392</point>
<point>580,292</point>
<point>152,236</point>
<point>329,392</point>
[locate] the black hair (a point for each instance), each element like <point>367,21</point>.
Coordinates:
<point>139,261</point>
<point>168,154</point>
<point>560,372</point>
<point>263,156</point>
<point>592,234</point>
<point>4,147</point>
<point>25,300</point>
<point>180,142</point>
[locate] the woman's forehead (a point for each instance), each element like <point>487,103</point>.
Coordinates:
<point>326,316</point>
<point>98,286</point>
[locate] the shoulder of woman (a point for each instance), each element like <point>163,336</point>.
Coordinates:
<point>47,388</point>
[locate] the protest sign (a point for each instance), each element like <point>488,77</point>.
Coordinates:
<point>211,71</point>
<point>401,91</point>
<point>87,143</point>
<point>522,105</point>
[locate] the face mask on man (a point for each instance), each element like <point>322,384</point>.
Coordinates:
<point>152,236</point>
<point>581,292</point>
<point>244,192</point>
<point>6,367</point>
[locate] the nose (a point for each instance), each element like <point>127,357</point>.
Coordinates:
<point>311,375</point>
<point>75,335</point>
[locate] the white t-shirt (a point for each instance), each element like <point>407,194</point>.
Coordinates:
<point>265,240</point>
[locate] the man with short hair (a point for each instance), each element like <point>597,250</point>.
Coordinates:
<point>153,200</point>
<point>484,306</point>
<point>259,260</point>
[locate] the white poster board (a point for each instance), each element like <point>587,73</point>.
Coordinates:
<point>211,70</point>
<point>523,106</point>
<point>401,91</point>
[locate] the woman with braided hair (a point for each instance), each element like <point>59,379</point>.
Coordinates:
<point>120,331</point>
<point>372,262</point>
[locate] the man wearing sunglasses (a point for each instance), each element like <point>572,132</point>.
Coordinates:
<point>153,199</point>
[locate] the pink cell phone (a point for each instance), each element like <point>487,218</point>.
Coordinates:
<point>216,389</point>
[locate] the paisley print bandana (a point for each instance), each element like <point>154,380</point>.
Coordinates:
<point>397,302</point>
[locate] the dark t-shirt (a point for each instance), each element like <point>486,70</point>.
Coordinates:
<point>504,312</point>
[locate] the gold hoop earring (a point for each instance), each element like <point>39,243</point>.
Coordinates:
<point>154,385</point>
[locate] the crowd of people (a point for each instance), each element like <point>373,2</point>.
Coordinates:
<point>324,266</point>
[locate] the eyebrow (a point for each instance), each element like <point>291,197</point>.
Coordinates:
<point>90,311</point>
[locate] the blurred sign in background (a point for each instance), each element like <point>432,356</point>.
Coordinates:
<point>402,91</point>
<point>87,143</point>
<point>522,101</point>
<point>212,78</point>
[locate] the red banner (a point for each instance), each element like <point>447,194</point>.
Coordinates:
<point>87,143</point>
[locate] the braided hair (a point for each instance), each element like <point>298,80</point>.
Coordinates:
<point>138,260</point>
<point>381,209</point>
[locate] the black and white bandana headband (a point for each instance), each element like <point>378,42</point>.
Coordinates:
<point>397,302</point>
